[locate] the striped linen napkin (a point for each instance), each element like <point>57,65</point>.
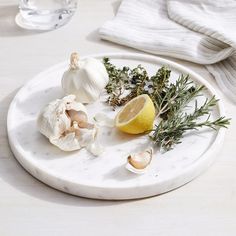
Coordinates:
<point>203,32</point>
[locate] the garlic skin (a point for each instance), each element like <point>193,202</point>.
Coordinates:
<point>85,79</point>
<point>138,163</point>
<point>103,120</point>
<point>64,122</point>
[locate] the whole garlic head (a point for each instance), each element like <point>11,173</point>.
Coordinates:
<point>85,79</point>
<point>64,122</point>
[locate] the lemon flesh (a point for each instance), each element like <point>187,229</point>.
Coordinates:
<point>137,116</point>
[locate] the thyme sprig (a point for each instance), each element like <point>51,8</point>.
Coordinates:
<point>124,84</point>
<point>170,100</point>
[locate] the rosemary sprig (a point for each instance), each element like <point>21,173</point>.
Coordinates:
<point>174,97</point>
<point>170,99</point>
<point>169,132</point>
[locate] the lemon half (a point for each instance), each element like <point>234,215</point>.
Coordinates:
<point>137,116</point>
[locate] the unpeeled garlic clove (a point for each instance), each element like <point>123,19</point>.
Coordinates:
<point>80,118</point>
<point>74,58</point>
<point>95,148</point>
<point>77,116</point>
<point>137,163</point>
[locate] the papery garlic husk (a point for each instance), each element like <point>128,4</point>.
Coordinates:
<point>103,120</point>
<point>86,78</point>
<point>95,148</point>
<point>138,163</point>
<point>59,122</point>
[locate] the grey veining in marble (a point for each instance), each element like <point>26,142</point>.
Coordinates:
<point>105,177</point>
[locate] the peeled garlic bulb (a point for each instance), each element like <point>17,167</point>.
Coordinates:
<point>85,79</point>
<point>137,163</point>
<point>64,122</point>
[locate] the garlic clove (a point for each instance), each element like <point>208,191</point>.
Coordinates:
<point>80,118</point>
<point>74,58</point>
<point>87,136</point>
<point>95,148</point>
<point>77,116</point>
<point>70,103</point>
<point>137,163</point>
<point>134,170</point>
<point>86,125</point>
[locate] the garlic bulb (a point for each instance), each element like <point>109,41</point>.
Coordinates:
<point>85,79</point>
<point>137,163</point>
<point>65,123</point>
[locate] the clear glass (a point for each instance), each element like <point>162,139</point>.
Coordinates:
<point>45,14</point>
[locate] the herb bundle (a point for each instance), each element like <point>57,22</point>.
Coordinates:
<point>169,99</point>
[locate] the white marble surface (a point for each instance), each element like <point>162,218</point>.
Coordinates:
<point>105,176</point>
<point>205,206</point>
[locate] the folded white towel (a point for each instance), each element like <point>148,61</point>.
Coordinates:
<point>185,29</point>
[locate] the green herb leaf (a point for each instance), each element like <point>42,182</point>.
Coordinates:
<point>169,99</point>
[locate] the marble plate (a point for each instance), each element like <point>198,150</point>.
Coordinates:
<point>104,177</point>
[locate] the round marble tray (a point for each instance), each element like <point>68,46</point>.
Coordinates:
<point>105,177</point>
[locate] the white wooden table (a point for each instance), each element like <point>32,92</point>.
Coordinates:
<point>206,206</point>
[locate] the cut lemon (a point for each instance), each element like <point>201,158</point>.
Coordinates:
<point>137,116</point>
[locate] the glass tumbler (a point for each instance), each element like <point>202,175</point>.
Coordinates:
<point>45,14</point>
